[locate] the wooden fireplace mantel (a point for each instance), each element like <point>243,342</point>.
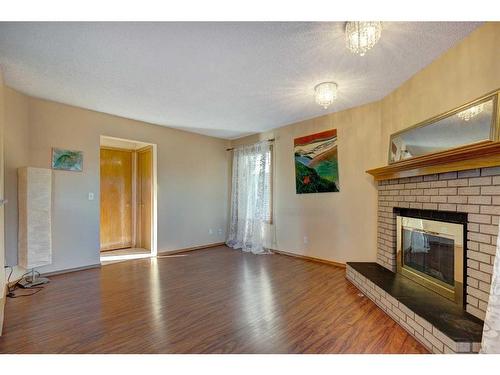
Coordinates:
<point>479,155</point>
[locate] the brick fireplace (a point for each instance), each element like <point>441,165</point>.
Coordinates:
<point>469,197</point>
<point>475,192</point>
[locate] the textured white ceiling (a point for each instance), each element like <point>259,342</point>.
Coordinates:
<point>221,79</point>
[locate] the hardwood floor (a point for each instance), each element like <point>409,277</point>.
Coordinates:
<point>216,300</point>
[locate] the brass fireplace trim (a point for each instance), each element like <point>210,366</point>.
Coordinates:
<point>452,231</point>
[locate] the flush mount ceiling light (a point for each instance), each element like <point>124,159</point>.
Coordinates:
<point>362,36</point>
<point>325,93</point>
<point>471,112</point>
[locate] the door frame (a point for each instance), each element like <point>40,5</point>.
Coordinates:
<point>154,200</point>
<point>146,149</point>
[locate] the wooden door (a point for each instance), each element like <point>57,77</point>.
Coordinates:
<point>144,197</point>
<point>116,199</point>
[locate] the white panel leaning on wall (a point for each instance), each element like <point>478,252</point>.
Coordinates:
<point>35,203</point>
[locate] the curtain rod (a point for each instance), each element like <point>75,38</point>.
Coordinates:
<point>232,148</point>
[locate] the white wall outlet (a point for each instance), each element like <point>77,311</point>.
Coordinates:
<point>306,240</point>
<point>219,231</point>
<point>210,231</point>
<point>91,196</point>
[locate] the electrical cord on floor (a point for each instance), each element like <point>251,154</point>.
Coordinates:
<point>14,295</point>
<point>12,289</point>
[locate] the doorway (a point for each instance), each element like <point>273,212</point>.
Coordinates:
<point>128,199</point>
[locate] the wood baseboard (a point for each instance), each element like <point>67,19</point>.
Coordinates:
<point>311,259</point>
<point>2,309</point>
<point>69,270</point>
<point>185,250</point>
<point>18,274</point>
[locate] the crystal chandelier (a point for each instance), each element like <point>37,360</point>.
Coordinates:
<point>362,36</point>
<point>471,112</point>
<point>325,93</point>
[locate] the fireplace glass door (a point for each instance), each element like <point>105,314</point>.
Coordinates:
<point>431,253</point>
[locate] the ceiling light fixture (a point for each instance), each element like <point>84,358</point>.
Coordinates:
<point>471,112</point>
<point>325,93</point>
<point>362,36</point>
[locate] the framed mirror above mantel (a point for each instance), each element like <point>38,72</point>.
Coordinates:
<point>463,138</point>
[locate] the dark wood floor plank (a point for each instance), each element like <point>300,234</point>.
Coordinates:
<point>216,300</point>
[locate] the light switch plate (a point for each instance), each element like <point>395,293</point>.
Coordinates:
<point>91,196</point>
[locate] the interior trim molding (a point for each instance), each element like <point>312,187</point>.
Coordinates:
<point>69,270</point>
<point>171,252</point>
<point>311,259</point>
<point>480,155</point>
<point>2,310</point>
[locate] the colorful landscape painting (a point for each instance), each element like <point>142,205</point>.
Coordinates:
<point>316,165</point>
<point>67,160</point>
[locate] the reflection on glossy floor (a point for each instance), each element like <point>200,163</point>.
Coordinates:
<point>120,255</point>
<point>216,300</point>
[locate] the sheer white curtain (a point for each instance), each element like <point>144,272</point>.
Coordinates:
<point>250,198</point>
<point>491,331</point>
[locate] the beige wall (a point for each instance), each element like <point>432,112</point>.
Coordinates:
<point>192,178</point>
<point>2,241</point>
<point>332,222</point>
<point>342,226</point>
<point>463,73</point>
<point>16,156</point>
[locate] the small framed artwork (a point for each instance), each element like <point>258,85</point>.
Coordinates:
<point>67,160</point>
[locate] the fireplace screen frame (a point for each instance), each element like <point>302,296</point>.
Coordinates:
<point>448,230</point>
